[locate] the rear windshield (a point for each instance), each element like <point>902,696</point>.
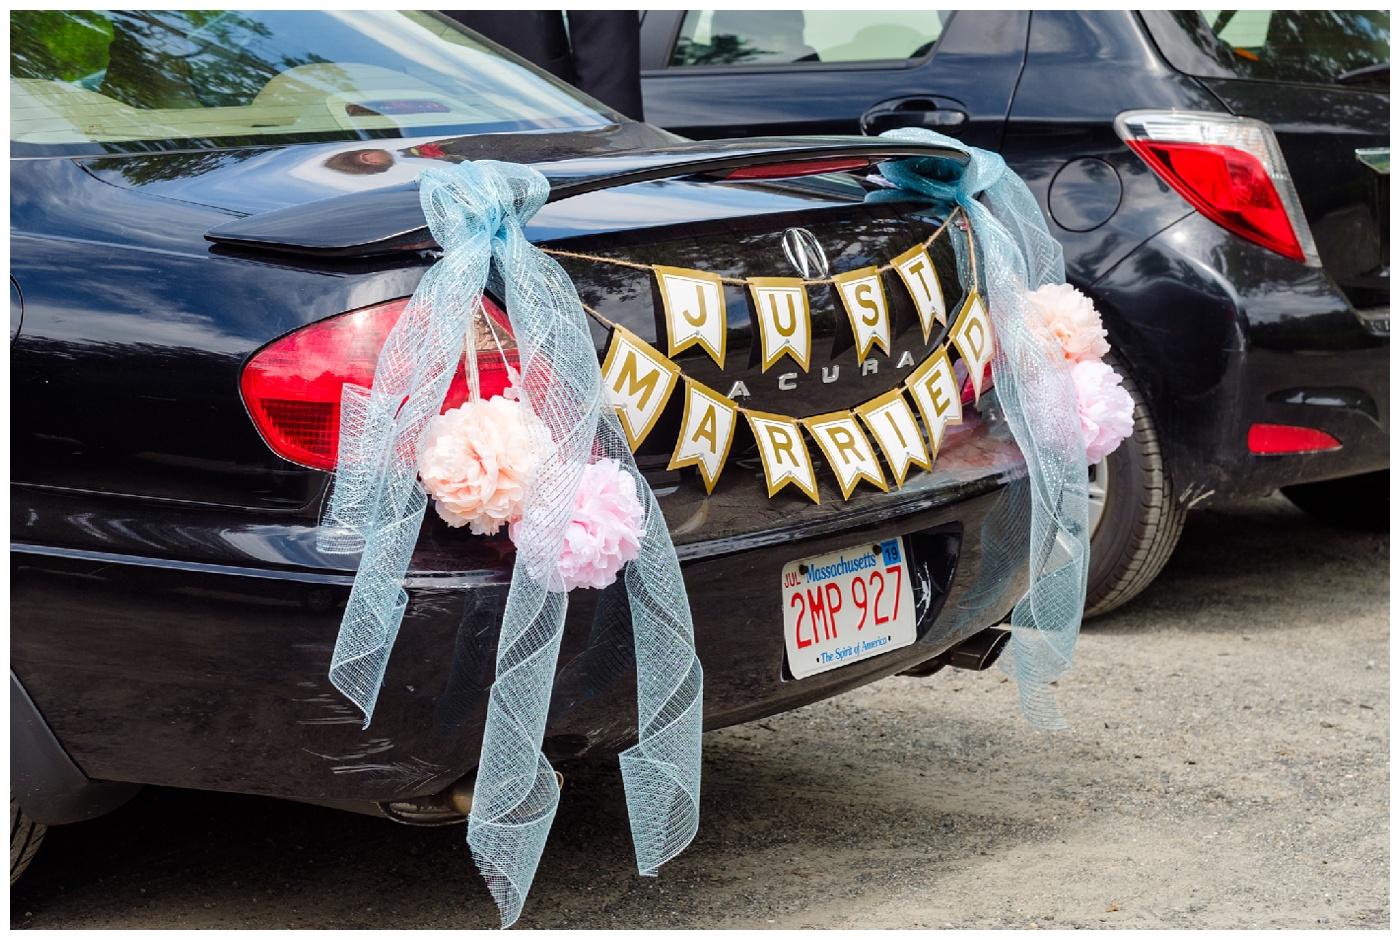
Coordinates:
<point>1308,46</point>
<point>237,77</point>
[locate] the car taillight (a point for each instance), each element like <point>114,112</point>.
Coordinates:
<point>1289,439</point>
<point>775,171</point>
<point>292,386</point>
<point>1230,169</point>
<point>968,394</point>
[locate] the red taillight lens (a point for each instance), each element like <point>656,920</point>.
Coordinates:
<point>1229,187</point>
<point>1231,169</point>
<point>968,393</point>
<point>1288,439</point>
<point>799,168</point>
<point>292,386</point>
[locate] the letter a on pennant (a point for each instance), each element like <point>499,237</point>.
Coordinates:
<point>783,453</point>
<point>694,302</point>
<point>864,298</point>
<point>637,381</point>
<point>890,420</point>
<point>707,431</point>
<point>847,449</point>
<point>916,268</point>
<point>972,334</point>
<point>935,391</point>
<point>784,319</point>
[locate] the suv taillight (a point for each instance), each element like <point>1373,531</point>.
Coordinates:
<point>292,386</point>
<point>1230,169</point>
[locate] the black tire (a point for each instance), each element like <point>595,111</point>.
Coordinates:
<point>1359,502</point>
<point>25,836</point>
<point>1141,520</point>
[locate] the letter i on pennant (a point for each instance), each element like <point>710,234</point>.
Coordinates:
<point>694,303</point>
<point>707,431</point>
<point>890,420</point>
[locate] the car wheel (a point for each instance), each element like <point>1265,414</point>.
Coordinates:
<point>25,836</point>
<point>1134,517</point>
<point>1359,502</point>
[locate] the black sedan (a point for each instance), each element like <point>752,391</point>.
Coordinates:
<point>215,224</point>
<point>1220,183</point>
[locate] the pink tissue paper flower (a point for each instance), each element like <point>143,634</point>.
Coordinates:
<point>1105,408</point>
<point>1063,316</point>
<point>476,460</point>
<point>605,530</point>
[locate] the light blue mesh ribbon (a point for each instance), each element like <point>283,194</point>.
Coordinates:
<point>1016,254</point>
<point>477,213</point>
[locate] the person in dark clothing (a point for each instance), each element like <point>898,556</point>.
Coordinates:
<point>598,53</point>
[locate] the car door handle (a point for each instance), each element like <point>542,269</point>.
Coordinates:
<point>944,115</point>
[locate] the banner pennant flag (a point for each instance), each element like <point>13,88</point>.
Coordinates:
<point>972,334</point>
<point>863,296</point>
<point>707,432</point>
<point>847,450</point>
<point>783,453</point>
<point>784,319</point>
<point>637,381</point>
<point>915,267</point>
<point>694,305</point>
<point>890,420</point>
<point>935,391</point>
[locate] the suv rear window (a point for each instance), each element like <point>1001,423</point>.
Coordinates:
<point>1306,46</point>
<point>250,77</point>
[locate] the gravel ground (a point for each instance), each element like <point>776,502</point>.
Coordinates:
<point>1226,766</point>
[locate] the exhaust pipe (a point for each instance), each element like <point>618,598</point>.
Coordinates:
<point>977,652</point>
<point>444,808</point>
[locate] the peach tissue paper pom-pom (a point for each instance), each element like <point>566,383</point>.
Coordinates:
<point>1105,408</point>
<point>605,530</point>
<point>476,460</point>
<point>1060,313</point>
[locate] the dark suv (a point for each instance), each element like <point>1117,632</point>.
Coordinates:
<point>1219,181</point>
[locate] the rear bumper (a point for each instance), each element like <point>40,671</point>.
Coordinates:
<point>151,668</point>
<point>1222,335</point>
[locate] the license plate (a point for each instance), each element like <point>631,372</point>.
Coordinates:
<point>847,606</point>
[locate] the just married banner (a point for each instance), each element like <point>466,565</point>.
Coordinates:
<point>640,379</point>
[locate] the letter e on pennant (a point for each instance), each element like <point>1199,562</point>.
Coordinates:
<point>935,391</point>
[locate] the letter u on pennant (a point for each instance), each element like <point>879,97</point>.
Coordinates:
<point>784,319</point>
<point>694,304</point>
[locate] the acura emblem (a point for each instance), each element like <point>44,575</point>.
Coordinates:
<point>805,253</point>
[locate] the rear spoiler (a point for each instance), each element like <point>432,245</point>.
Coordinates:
<point>390,220</point>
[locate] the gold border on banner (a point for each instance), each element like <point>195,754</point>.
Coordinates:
<point>932,418</point>
<point>623,337</point>
<point>677,462</point>
<point>865,274</point>
<point>757,284</point>
<point>880,402</point>
<point>940,313</point>
<point>976,367</point>
<point>841,418</point>
<point>763,416</point>
<point>662,272</point>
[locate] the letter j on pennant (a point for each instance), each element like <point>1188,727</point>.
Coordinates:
<point>694,303</point>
